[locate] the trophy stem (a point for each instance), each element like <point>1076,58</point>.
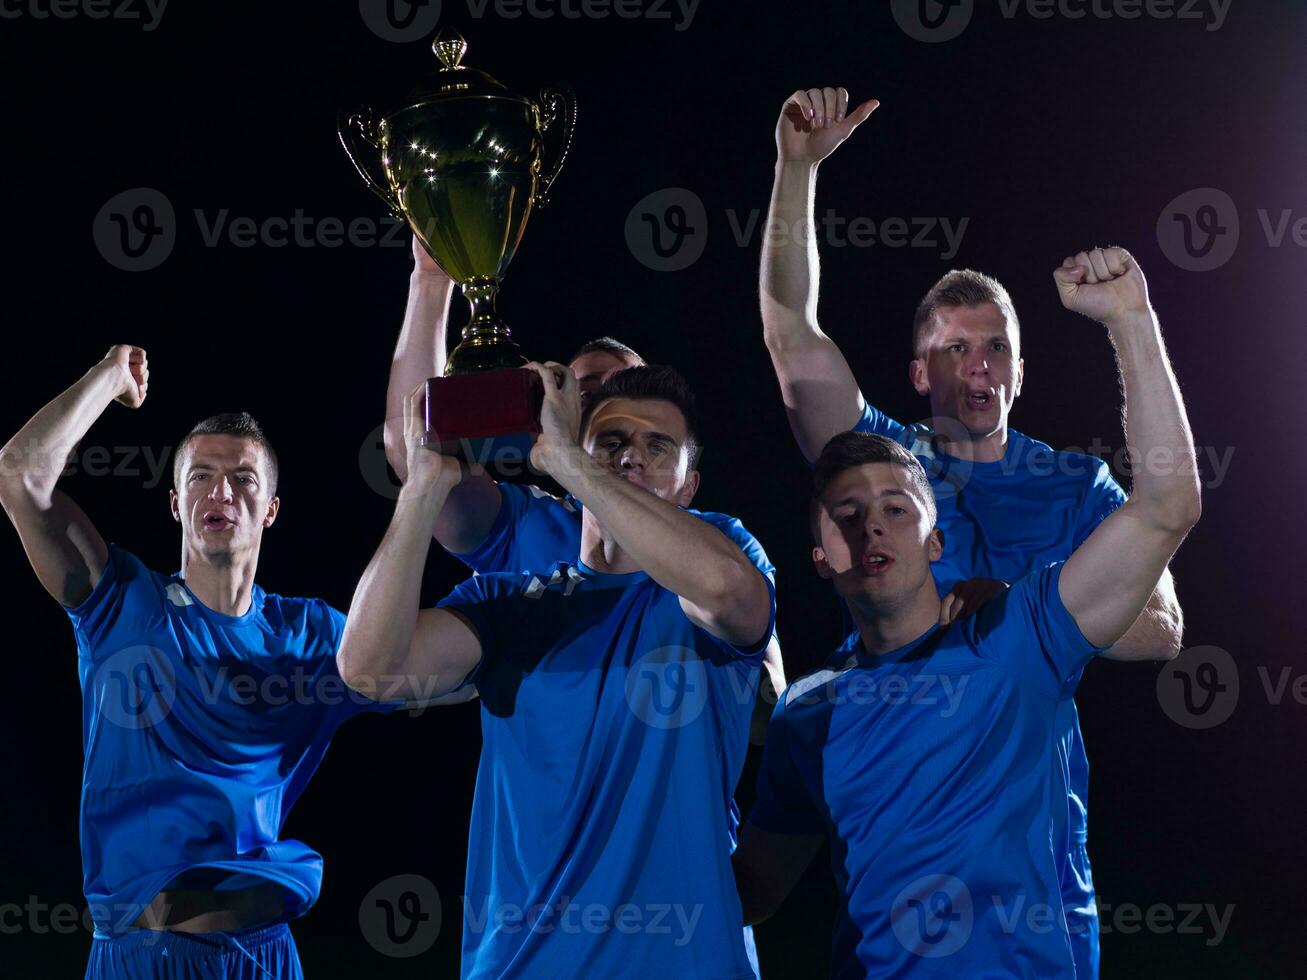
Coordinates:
<point>487,342</point>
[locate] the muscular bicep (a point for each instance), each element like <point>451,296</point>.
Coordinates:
<point>444,651</point>
<point>468,515</point>
<point>767,867</point>
<point>1110,578</point>
<point>63,546</point>
<point>821,397</point>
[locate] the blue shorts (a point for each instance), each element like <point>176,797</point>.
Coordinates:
<point>261,953</point>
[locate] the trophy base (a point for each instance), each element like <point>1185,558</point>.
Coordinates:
<point>490,418</point>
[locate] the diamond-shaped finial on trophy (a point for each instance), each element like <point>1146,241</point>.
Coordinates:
<point>449,47</point>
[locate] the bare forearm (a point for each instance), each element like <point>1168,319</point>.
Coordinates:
<point>383,613</point>
<point>39,451</point>
<point>419,354</point>
<point>680,552</point>
<point>791,269</point>
<point>1164,471</point>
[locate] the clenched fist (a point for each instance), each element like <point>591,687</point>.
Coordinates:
<point>814,122</point>
<point>1105,284</point>
<point>131,364</point>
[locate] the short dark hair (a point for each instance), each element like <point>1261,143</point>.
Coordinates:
<point>959,287</point>
<point>242,425</point>
<point>651,381</point>
<point>849,450</point>
<point>608,345</point>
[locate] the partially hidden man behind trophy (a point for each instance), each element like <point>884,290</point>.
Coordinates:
<point>615,694</point>
<point>1008,504</point>
<point>187,780</point>
<point>940,815</point>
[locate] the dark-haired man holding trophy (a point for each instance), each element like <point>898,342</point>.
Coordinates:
<point>615,691</point>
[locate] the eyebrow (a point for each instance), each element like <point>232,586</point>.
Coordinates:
<point>243,468</point>
<point>659,436</point>
<point>887,492</point>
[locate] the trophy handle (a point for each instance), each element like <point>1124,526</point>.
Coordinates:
<point>556,102</point>
<point>356,132</point>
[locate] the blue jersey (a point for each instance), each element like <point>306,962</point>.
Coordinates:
<point>1002,520</point>
<point>199,732</point>
<point>614,731</point>
<point>931,768</point>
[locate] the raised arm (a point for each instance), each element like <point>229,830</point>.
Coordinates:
<point>65,550</point>
<point>473,504</point>
<point>719,587</point>
<point>821,396</point>
<point>1109,579</point>
<point>387,637</point>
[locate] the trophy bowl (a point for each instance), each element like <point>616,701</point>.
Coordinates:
<point>462,162</point>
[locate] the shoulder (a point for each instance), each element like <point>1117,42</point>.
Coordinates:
<point>298,614</point>
<point>528,496</point>
<point>1042,459</point>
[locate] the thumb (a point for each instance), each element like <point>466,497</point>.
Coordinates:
<point>860,115</point>
<point>1068,279</point>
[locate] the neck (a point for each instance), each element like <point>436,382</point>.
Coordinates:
<point>224,587</point>
<point>977,449</point>
<point>887,628</point>
<point>601,552</point>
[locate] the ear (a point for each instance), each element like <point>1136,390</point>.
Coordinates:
<point>274,506</point>
<point>821,564</point>
<point>1021,376</point>
<point>688,489</point>
<point>174,505</point>
<point>917,375</point>
<point>935,543</point>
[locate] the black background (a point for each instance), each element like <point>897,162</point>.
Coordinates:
<point>1048,135</point>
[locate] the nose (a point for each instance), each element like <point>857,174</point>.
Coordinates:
<point>977,361</point>
<point>221,489</point>
<point>874,530</point>
<point>631,459</point>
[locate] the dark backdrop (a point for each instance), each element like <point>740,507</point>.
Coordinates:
<point>1046,134</point>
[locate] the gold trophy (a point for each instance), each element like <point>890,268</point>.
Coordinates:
<point>462,163</point>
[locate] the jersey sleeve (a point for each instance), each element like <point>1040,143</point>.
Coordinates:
<point>532,530</point>
<point>1102,496</point>
<point>735,530</point>
<point>125,603</point>
<point>1029,630</point>
<point>784,805</point>
<point>489,604</point>
<point>874,422</point>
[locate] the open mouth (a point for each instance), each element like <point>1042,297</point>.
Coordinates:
<point>980,399</point>
<point>876,564</point>
<point>214,521</point>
